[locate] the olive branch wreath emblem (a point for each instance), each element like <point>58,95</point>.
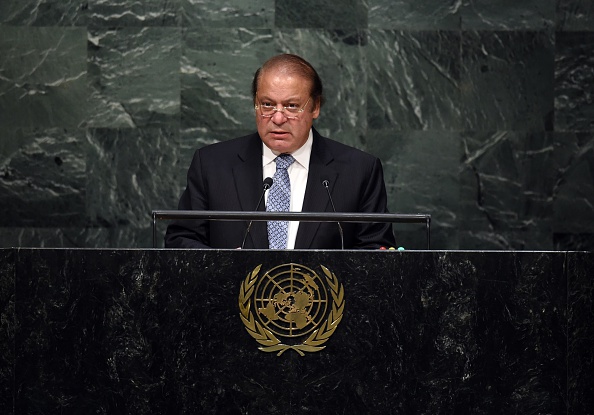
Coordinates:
<point>269,342</point>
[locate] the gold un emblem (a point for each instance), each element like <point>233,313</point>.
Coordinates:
<point>291,307</point>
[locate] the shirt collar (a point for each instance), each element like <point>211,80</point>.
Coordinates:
<point>301,155</point>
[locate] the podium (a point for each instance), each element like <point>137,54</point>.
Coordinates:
<point>161,331</point>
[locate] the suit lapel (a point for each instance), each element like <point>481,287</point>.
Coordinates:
<point>316,197</point>
<point>247,174</point>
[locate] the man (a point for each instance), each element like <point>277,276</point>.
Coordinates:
<point>228,176</point>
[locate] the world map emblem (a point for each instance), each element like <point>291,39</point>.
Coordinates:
<point>291,307</point>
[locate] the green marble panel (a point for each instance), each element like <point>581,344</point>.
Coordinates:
<point>507,81</point>
<point>230,13</point>
<point>134,77</point>
<point>42,77</point>
<point>459,100</point>
<point>575,15</point>
<point>43,178</point>
<point>574,81</point>
<point>414,14</point>
<point>81,237</point>
<point>328,14</point>
<point>509,181</point>
<point>131,172</point>
<point>44,12</point>
<point>126,13</point>
<point>339,58</point>
<point>217,69</point>
<point>49,237</point>
<point>413,80</point>
<point>421,174</point>
<point>574,192</point>
<point>508,14</point>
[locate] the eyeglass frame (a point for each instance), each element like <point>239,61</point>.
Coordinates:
<point>282,110</point>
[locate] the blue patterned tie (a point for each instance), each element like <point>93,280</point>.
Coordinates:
<point>279,200</point>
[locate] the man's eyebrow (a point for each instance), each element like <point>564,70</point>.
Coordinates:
<point>265,97</point>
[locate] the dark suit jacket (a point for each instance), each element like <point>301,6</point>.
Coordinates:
<point>227,176</point>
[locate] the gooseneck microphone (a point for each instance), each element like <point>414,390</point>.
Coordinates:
<point>326,184</point>
<point>265,186</point>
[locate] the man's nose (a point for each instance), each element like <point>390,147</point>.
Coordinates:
<point>279,117</point>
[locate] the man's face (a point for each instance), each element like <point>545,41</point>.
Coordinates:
<point>281,90</point>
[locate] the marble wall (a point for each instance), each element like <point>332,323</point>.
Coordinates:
<point>482,111</point>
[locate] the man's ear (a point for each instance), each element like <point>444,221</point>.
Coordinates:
<point>316,110</point>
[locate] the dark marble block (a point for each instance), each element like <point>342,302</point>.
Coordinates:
<point>580,332</point>
<point>43,80</point>
<point>7,329</point>
<point>155,331</point>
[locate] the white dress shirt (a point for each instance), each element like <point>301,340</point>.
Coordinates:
<point>298,172</point>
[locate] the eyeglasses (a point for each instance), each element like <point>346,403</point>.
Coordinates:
<point>267,109</point>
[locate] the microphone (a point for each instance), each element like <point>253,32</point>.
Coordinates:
<point>265,186</point>
<point>326,184</point>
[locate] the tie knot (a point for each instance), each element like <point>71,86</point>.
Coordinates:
<point>283,161</point>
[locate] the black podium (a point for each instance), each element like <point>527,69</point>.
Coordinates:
<point>88,331</point>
